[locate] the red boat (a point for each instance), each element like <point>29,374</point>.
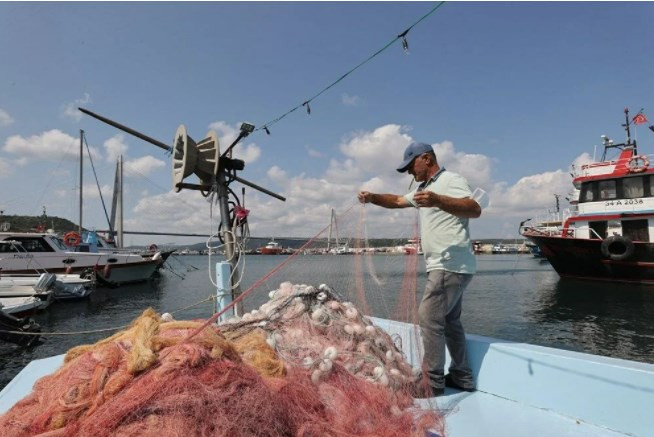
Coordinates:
<point>272,248</point>
<point>607,236</point>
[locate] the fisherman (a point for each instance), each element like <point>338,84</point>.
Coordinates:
<point>444,202</point>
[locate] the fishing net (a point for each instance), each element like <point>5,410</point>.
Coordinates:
<point>308,361</point>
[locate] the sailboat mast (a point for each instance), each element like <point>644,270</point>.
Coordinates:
<point>81,175</point>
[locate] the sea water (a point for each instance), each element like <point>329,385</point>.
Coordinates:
<point>512,297</point>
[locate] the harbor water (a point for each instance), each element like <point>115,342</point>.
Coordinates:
<point>512,297</point>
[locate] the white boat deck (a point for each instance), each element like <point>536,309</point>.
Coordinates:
<point>523,390</point>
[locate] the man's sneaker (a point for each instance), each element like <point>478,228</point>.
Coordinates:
<point>449,382</point>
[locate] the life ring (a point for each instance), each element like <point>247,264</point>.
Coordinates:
<point>72,239</point>
<point>638,164</point>
<point>153,247</point>
<point>618,248</point>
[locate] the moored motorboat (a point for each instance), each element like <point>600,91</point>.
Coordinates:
<point>23,253</point>
<point>607,234</point>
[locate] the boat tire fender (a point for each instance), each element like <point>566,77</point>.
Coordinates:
<point>618,248</point>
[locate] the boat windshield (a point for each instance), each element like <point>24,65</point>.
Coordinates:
<point>59,243</point>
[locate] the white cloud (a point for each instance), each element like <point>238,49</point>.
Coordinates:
<point>91,192</point>
<point>115,146</point>
<point>70,111</point>
<point>248,152</point>
<point>582,159</point>
<point>51,145</point>
<point>5,118</point>
<point>349,100</point>
<point>143,165</point>
<point>474,167</point>
<point>371,153</point>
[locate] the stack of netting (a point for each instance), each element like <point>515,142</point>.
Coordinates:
<point>304,364</point>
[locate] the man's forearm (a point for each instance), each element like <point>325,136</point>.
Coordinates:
<point>464,208</point>
<point>387,200</point>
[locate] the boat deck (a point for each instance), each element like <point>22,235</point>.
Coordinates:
<point>523,390</point>
<point>483,415</point>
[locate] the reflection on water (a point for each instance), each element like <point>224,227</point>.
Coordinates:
<point>600,318</point>
<point>512,297</point>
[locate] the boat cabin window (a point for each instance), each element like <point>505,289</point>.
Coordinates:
<point>633,187</point>
<point>636,230</point>
<point>8,248</point>
<point>587,192</point>
<point>598,229</point>
<point>607,190</point>
<point>34,244</point>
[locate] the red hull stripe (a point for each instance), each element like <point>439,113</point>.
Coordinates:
<point>618,215</point>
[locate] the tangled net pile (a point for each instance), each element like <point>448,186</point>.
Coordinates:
<point>304,364</point>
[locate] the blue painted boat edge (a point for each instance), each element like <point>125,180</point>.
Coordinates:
<point>608,392</point>
<point>22,384</point>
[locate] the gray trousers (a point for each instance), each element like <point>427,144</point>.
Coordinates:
<point>440,325</point>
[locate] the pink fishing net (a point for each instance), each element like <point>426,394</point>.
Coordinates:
<point>304,364</point>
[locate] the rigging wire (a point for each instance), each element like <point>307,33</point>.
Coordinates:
<point>95,175</point>
<point>405,46</point>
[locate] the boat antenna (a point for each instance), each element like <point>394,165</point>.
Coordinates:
<point>626,127</point>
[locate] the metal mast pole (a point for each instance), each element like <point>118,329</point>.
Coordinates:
<point>228,236</point>
<point>81,175</point>
<point>121,242</point>
<point>626,126</point>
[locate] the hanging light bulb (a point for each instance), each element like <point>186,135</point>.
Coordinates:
<point>308,107</point>
<point>266,129</point>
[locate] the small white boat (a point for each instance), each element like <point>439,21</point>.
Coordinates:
<point>40,288</point>
<point>64,287</point>
<point>18,306</point>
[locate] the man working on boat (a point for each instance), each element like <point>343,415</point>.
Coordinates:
<point>445,205</point>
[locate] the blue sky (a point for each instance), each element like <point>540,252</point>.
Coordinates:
<point>510,94</point>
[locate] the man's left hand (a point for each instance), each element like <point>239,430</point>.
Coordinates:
<point>426,199</point>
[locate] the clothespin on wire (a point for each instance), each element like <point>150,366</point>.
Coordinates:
<point>405,43</point>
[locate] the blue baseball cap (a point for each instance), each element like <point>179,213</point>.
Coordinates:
<point>412,151</point>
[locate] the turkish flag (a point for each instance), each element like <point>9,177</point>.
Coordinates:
<point>640,119</point>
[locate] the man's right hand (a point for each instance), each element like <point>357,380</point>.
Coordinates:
<point>365,196</point>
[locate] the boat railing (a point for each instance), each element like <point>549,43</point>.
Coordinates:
<point>591,169</point>
<point>553,231</point>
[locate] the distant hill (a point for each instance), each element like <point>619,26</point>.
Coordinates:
<point>24,223</point>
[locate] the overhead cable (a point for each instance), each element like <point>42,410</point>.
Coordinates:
<point>305,103</point>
